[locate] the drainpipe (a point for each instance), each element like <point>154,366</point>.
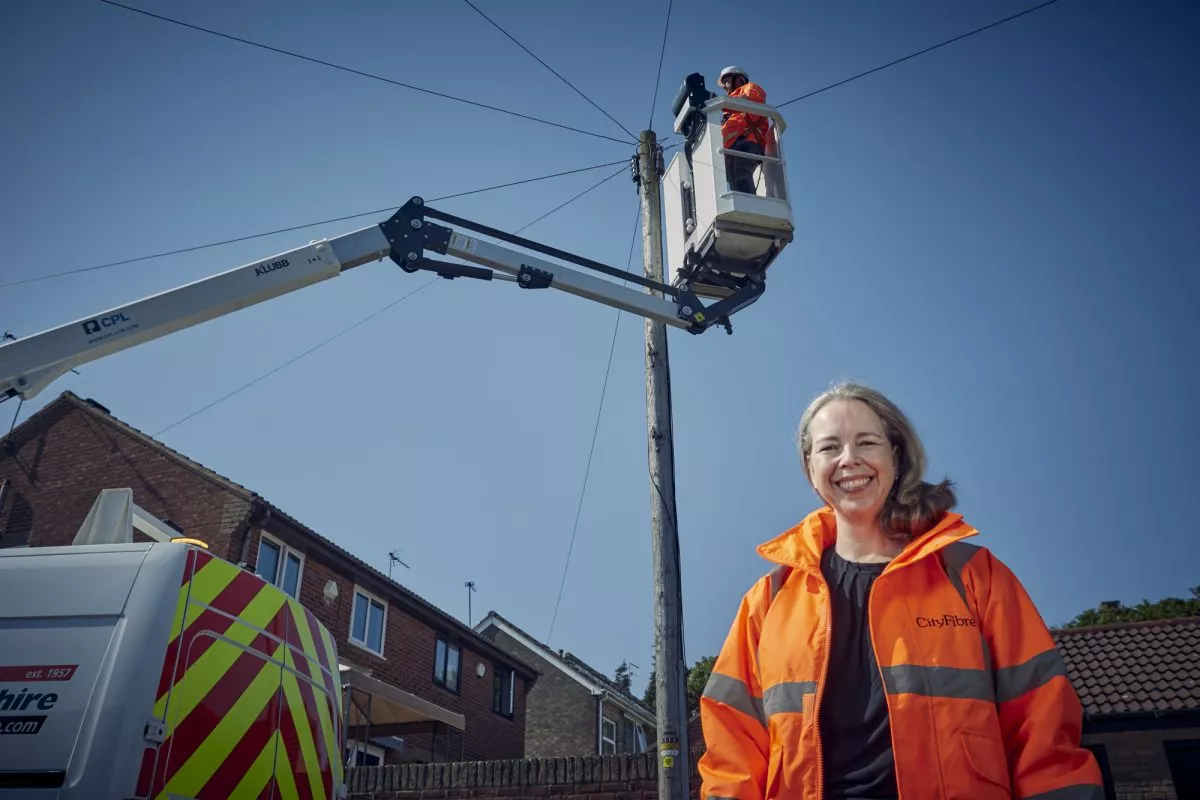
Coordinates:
<point>600,723</point>
<point>258,517</point>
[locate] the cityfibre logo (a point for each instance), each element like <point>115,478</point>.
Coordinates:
<point>94,326</point>
<point>947,621</point>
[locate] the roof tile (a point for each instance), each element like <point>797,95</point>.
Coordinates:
<point>1134,667</point>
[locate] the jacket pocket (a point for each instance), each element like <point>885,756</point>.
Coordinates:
<point>986,762</point>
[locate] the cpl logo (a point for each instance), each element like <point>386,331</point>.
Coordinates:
<point>95,325</point>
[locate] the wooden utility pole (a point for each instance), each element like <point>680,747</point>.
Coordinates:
<point>670,675</point>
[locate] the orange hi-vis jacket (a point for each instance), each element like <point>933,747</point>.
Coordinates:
<point>978,699</point>
<point>739,123</point>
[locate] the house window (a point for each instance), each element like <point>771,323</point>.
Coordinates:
<point>367,621</point>
<point>19,526</point>
<point>279,564</point>
<point>446,663</point>
<point>639,738</point>
<point>364,754</point>
<point>1183,759</point>
<point>608,737</point>
<point>504,685</point>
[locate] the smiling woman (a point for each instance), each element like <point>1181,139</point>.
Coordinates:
<point>863,458</point>
<point>879,619</point>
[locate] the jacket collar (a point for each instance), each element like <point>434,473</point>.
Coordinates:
<point>801,545</point>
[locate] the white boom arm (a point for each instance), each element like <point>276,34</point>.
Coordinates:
<point>29,365</point>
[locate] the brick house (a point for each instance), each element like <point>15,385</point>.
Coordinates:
<point>574,710</point>
<point>1140,687</point>
<point>1139,684</point>
<point>427,685</point>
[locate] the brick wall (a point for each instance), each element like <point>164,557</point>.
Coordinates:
<point>560,717</point>
<point>1138,761</point>
<point>59,461</point>
<point>57,468</point>
<point>628,777</point>
<point>409,648</point>
<point>561,714</point>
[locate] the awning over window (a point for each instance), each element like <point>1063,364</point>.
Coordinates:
<point>379,704</point>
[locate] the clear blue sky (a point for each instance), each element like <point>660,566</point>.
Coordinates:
<point>1001,234</point>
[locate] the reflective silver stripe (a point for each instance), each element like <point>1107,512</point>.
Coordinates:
<point>787,698</point>
<point>778,576</point>
<point>775,580</point>
<point>1012,682</point>
<point>735,694</point>
<point>956,682</point>
<point>956,556</point>
<point>1080,791</point>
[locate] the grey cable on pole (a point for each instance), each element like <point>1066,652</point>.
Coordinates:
<point>917,53</point>
<point>555,72</point>
<point>361,73</point>
<point>332,338</point>
<point>595,432</point>
<point>193,248</point>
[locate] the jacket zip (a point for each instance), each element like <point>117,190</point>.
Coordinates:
<point>826,594</point>
<point>887,702</point>
<point>871,632</point>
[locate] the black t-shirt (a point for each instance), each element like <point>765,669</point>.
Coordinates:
<point>855,735</point>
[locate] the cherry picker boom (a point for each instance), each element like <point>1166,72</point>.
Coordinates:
<point>29,365</point>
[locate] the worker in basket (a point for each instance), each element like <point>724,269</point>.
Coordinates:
<point>740,131</point>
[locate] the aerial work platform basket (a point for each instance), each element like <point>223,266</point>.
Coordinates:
<point>720,240</point>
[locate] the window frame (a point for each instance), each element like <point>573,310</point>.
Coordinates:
<point>604,740</point>
<point>354,747</point>
<point>639,735</point>
<point>17,506</point>
<point>449,644</point>
<point>363,644</point>
<point>280,568</point>
<point>499,675</point>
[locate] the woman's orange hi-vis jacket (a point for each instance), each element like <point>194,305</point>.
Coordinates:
<point>978,699</point>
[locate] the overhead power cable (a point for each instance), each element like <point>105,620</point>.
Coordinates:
<point>918,53</point>
<point>294,359</point>
<point>335,336</point>
<point>289,229</point>
<point>662,52</point>
<point>587,471</point>
<point>555,72</point>
<point>361,73</point>
<point>566,203</point>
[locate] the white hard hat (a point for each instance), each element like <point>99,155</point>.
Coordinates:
<point>731,70</point>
